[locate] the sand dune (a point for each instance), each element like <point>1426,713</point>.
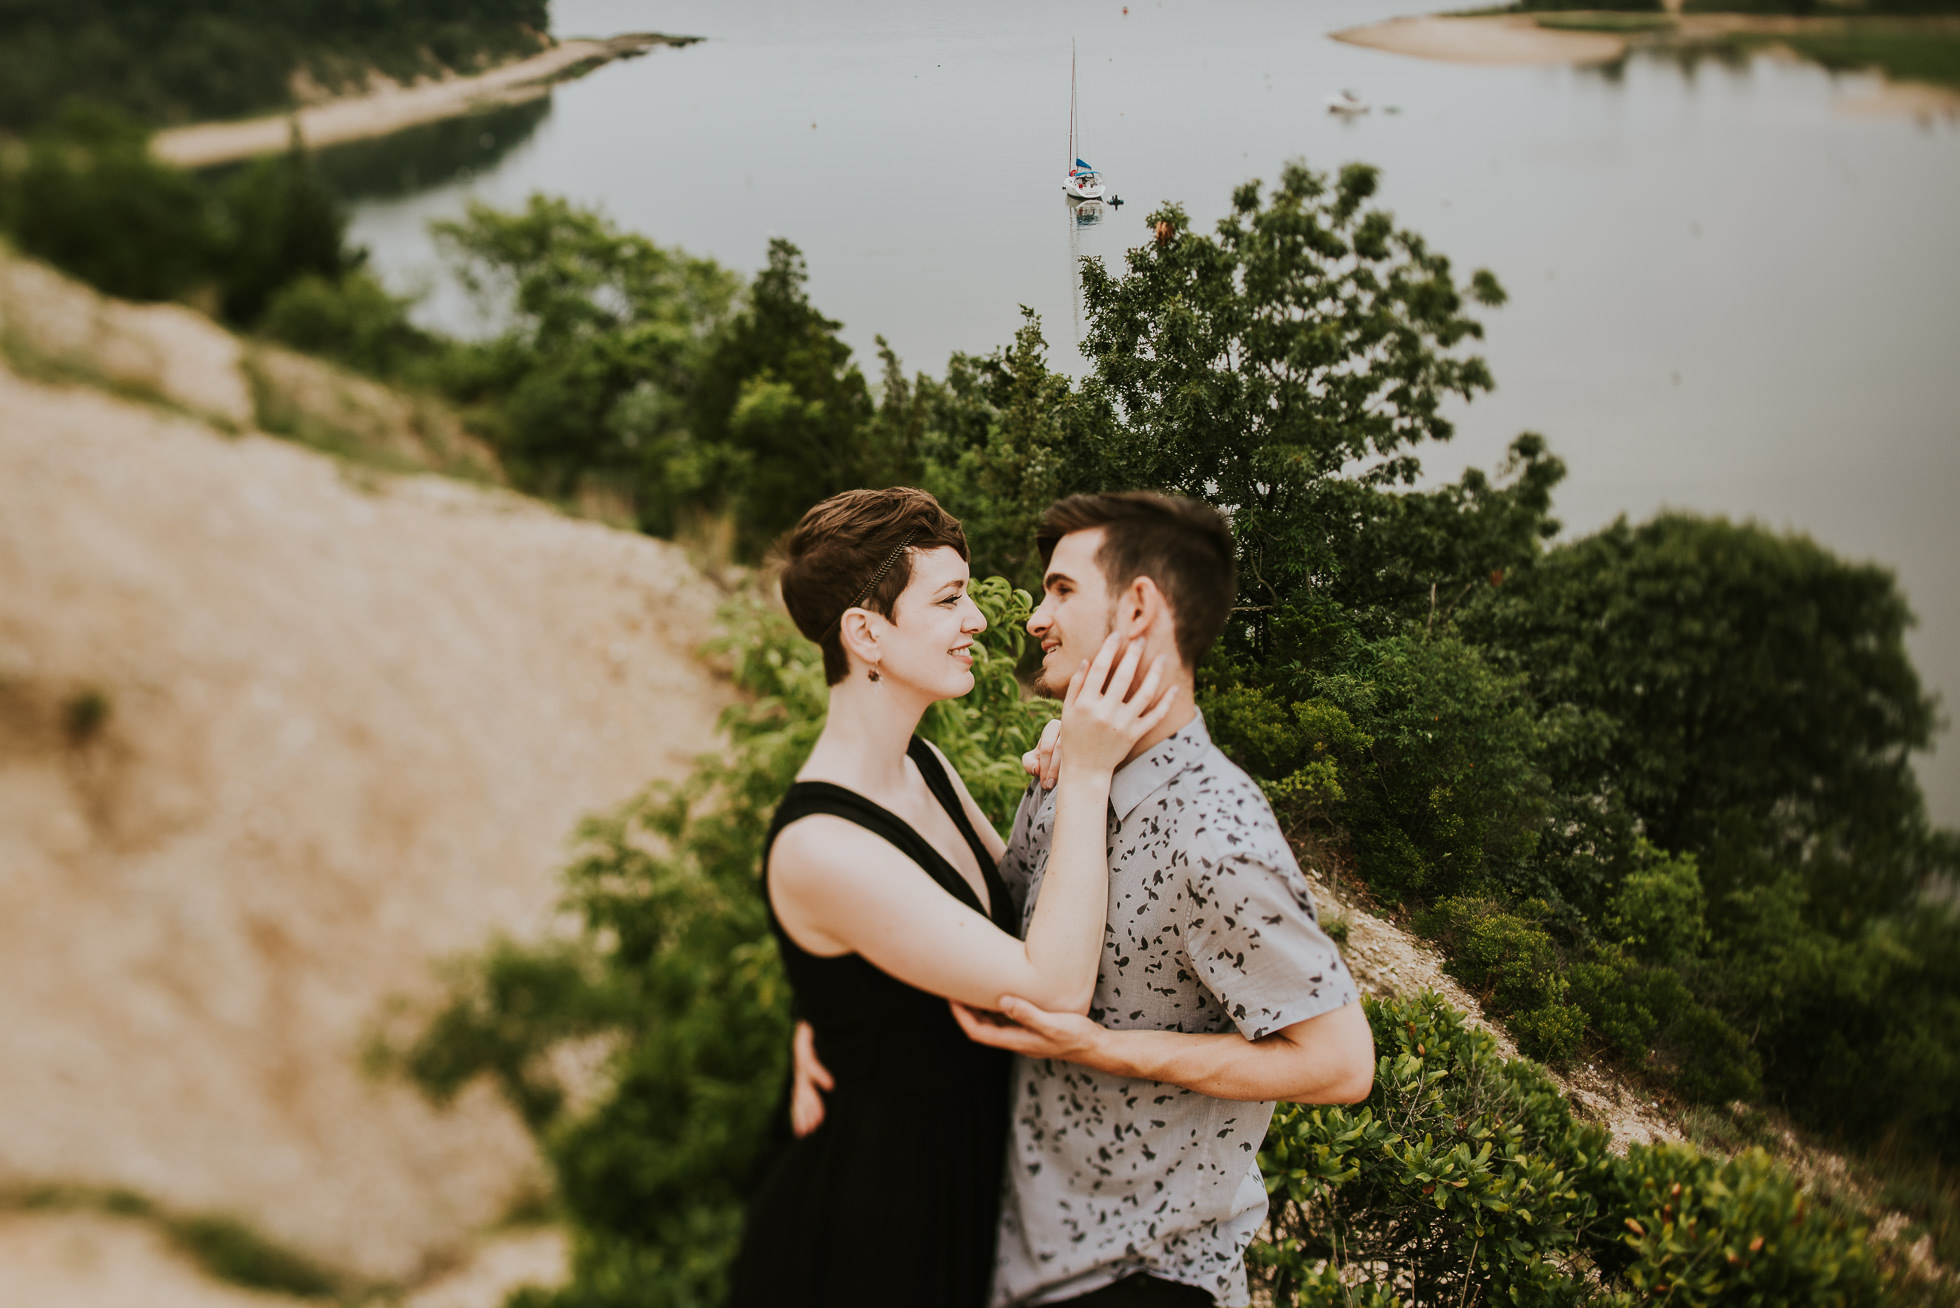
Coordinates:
<point>347,723</point>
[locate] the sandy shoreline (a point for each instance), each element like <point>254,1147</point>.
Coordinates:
<point>390,107</point>
<point>1518,39</point>
<point>1493,39</point>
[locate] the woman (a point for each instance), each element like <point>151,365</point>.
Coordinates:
<point>884,896</point>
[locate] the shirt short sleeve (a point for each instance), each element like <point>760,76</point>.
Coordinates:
<point>1017,860</point>
<point>1252,932</point>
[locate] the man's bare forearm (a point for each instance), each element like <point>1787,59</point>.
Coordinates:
<point>1325,1060</point>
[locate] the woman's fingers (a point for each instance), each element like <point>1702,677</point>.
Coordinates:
<point>1075,685</point>
<point>1100,665</point>
<point>1149,721</point>
<point>1126,671</point>
<point>1147,694</point>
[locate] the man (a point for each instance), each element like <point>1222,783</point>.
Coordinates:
<point>1131,1175</point>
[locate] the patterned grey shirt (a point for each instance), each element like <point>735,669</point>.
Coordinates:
<point>1211,928</point>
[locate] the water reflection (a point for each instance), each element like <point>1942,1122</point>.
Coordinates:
<point>433,154</point>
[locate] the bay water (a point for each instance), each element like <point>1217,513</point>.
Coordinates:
<point>1731,291</point>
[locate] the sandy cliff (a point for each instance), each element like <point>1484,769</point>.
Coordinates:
<point>276,734</point>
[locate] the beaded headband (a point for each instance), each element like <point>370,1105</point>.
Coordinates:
<point>879,575</point>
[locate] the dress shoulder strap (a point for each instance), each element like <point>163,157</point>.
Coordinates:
<point>948,796</point>
<point>811,797</point>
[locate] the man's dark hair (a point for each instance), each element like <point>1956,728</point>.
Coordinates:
<point>855,551</point>
<point>1183,545</point>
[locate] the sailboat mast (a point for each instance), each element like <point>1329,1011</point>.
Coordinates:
<point>1071,104</point>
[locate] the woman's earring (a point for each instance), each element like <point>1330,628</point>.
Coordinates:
<point>873,674</point>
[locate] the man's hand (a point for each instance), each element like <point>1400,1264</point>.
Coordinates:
<point>1031,1032</point>
<point>809,1078</point>
<point>1044,761</point>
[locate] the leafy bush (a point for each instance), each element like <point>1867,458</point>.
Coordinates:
<point>167,63</point>
<point>1509,958</point>
<point>90,199</point>
<point>1461,1179</point>
<point>1703,1230</point>
<point>1464,1179</point>
<point>352,319</point>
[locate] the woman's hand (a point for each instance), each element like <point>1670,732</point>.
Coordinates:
<point>1105,712</point>
<point>1044,762</point>
<point>809,1078</point>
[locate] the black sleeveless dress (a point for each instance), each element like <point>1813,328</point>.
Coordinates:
<point>894,1199</point>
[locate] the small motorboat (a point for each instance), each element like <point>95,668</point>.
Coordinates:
<point>1347,104</point>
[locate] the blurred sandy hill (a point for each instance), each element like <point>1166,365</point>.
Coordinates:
<point>277,732</point>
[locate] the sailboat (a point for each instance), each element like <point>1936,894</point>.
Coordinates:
<point>1082,182</point>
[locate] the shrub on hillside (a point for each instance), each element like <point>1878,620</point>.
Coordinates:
<point>1464,1179</point>
<point>1461,1179</point>
<point>353,320</point>
<point>1510,960</point>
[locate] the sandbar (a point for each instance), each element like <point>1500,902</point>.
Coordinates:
<point>1492,39</point>
<point>389,106</point>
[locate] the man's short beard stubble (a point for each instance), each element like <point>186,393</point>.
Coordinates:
<point>1046,691</point>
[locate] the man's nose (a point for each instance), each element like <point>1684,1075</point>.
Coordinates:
<point>1038,620</point>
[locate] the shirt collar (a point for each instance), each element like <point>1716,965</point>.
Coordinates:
<point>1145,774</point>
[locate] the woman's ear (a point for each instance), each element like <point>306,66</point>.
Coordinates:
<point>859,637</point>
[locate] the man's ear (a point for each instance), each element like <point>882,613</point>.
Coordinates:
<point>1140,609</point>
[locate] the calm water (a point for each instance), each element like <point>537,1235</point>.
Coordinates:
<point>1728,294</point>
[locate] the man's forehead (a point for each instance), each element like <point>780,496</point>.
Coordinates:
<point>1075,555</point>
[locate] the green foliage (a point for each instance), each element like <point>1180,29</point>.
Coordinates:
<point>786,413</point>
<point>1286,366</point>
<point>1001,439</point>
<point>280,223</point>
<point>353,320</point>
<point>89,199</point>
<point>1747,698</point>
<point>676,969</point>
<point>604,330</point>
<point>86,713</point>
<point>1509,958</point>
<point>1703,1230</point>
<point>1462,1179</point>
<point>165,63</point>
<point>232,1251</point>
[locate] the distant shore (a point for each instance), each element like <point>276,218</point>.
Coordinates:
<point>1602,37</point>
<point>390,107</point>
<point>1495,39</point>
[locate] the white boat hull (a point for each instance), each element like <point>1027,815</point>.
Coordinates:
<point>1083,190</point>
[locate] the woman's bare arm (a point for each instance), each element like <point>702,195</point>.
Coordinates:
<point>838,888</point>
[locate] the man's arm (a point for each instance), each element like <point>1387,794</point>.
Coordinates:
<point>1328,1059</point>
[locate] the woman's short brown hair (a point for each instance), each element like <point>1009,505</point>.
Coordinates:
<point>854,541</point>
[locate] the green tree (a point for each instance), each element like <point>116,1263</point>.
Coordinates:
<point>171,62</point>
<point>780,395</point>
<point>1004,437</point>
<point>1748,699</point>
<point>90,200</point>
<point>604,329</point>
<point>281,224</point>
<point>1286,368</point>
